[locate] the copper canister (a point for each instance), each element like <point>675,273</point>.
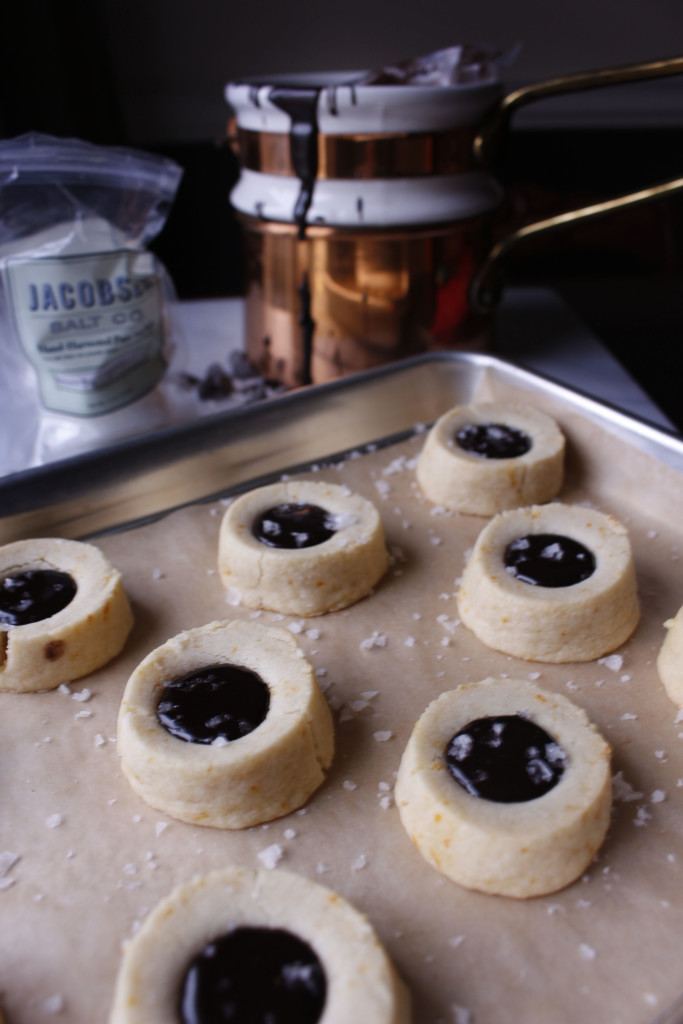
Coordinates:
<point>364,219</point>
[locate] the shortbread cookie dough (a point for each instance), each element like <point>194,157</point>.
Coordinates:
<point>63,613</point>
<point>225,725</point>
<point>484,458</point>
<point>670,659</point>
<point>551,583</point>
<point>505,788</point>
<point>243,945</point>
<point>302,548</point>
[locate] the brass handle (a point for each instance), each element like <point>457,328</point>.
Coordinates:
<point>488,143</point>
<point>486,285</point>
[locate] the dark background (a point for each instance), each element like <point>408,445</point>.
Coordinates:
<point>151,74</point>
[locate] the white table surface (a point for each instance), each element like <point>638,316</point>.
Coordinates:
<point>534,328</point>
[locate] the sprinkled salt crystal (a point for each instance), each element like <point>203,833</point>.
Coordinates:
<point>642,817</point>
<point>435,541</point>
<point>384,786</point>
<point>461,1015</point>
<point>586,952</point>
<point>160,827</point>
<point>53,1004</point>
<point>346,715</point>
<point>53,820</point>
<point>63,688</point>
<point>376,640</point>
<point>289,833</point>
<point>650,998</point>
<point>7,861</point>
<point>130,869</point>
<point>383,735</point>
<point>626,678</point>
<point>661,754</point>
<point>6,883</point>
<point>83,694</point>
<point>295,627</point>
<point>555,908</point>
<point>157,574</point>
<point>369,694</point>
<point>322,868</point>
<point>652,533</point>
<point>233,596</point>
<point>533,676</point>
<point>82,714</point>
<point>220,741</point>
<point>383,488</point>
<point>100,740</point>
<point>622,790</point>
<point>348,784</point>
<point>445,641</point>
<point>658,796</point>
<point>628,716</point>
<point>359,863</point>
<point>612,661</point>
<point>385,802</point>
<point>409,641</point>
<point>313,634</point>
<point>358,705</point>
<point>584,903</point>
<point>456,940</point>
<point>271,855</point>
<point>319,672</point>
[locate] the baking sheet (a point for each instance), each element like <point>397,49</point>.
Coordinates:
<point>93,858</point>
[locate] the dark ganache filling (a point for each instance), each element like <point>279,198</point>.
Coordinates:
<point>291,525</point>
<point>507,759</point>
<point>218,702</point>
<point>549,560</point>
<point>254,976</point>
<point>34,595</point>
<point>493,440</point>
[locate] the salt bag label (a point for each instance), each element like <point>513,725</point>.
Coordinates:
<point>92,327</point>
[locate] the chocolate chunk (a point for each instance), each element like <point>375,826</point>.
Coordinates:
<point>254,976</point>
<point>218,702</point>
<point>507,759</point>
<point>34,595</point>
<point>493,440</point>
<point>549,560</point>
<point>294,526</point>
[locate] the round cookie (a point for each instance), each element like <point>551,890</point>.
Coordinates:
<point>202,772</point>
<point>511,845</point>
<point>555,620</point>
<point>160,973</point>
<point>483,458</point>
<point>63,613</point>
<point>341,558</point>
<point>670,659</point>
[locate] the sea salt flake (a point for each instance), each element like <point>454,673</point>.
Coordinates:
<point>83,694</point>
<point>359,863</point>
<point>295,627</point>
<point>409,641</point>
<point>376,640</point>
<point>658,796</point>
<point>348,784</point>
<point>369,694</point>
<point>359,705</point>
<point>53,820</point>
<point>99,740</point>
<point>233,596</point>
<point>82,714</point>
<point>586,952</point>
<point>456,940</point>
<point>385,802</point>
<point>6,883</point>
<point>157,574</point>
<point>383,735</point>
<point>622,790</point>
<point>7,861</point>
<point>322,868</point>
<point>160,827</point>
<point>612,661</point>
<point>289,833</point>
<point>461,1015</point>
<point>63,688</point>
<point>271,855</point>
<point>642,817</point>
<point>628,716</point>
<point>53,1004</point>
<point>313,634</point>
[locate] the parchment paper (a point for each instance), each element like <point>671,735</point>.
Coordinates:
<point>92,858</point>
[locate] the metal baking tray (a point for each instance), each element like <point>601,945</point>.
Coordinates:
<point>141,480</point>
<point>137,479</point>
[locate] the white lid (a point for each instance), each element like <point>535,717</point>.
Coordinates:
<point>438,199</point>
<point>348,109</point>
